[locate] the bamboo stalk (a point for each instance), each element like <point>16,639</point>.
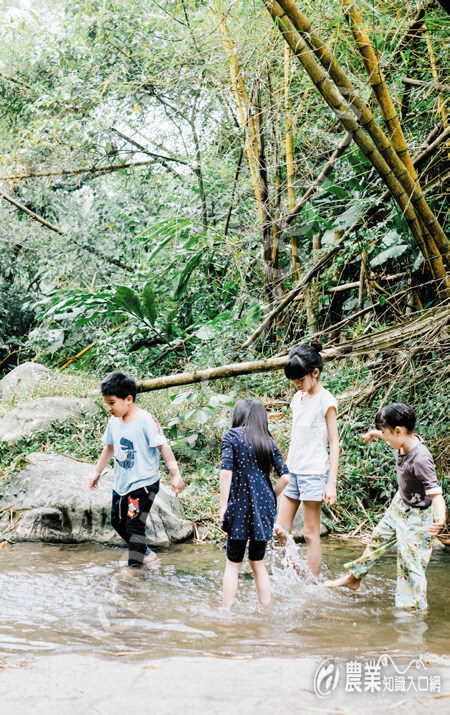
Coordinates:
<point>274,111</point>
<point>334,99</point>
<point>269,257</point>
<point>243,106</point>
<point>427,322</point>
<point>320,179</point>
<point>290,167</point>
<point>442,108</point>
<point>381,92</point>
<point>379,86</point>
<point>362,279</point>
<point>287,12</point>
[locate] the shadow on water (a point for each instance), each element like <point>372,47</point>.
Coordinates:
<point>83,598</point>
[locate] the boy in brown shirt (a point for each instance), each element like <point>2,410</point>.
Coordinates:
<point>416,513</point>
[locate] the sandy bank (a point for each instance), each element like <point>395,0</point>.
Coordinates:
<point>74,684</point>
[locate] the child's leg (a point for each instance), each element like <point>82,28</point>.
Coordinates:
<point>285,518</point>
<point>230,583</point>
<point>235,556</point>
<point>119,514</point>
<point>383,538</point>
<point>256,553</point>
<point>311,533</point>
<point>139,503</point>
<point>414,551</point>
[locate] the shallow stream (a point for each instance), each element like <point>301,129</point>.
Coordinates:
<point>67,599</point>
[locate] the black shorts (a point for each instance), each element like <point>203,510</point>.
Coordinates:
<point>236,550</point>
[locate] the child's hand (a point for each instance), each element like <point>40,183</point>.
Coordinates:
<point>93,481</point>
<point>369,436</point>
<point>330,496</point>
<point>222,513</point>
<point>438,523</point>
<point>177,484</point>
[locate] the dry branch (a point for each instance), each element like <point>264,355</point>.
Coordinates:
<point>14,80</point>
<point>47,224</point>
<point>368,216</point>
<point>427,322</point>
<point>289,297</point>
<point>422,83</point>
<point>412,31</point>
<point>74,172</point>
<point>147,151</point>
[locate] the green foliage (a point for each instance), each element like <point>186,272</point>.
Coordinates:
<point>145,277</point>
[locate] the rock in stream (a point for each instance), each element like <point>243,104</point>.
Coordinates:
<point>50,501</point>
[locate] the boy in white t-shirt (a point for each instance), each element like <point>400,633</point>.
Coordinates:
<point>312,473</point>
<point>135,439</point>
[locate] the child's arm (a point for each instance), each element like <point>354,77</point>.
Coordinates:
<point>106,455</point>
<point>330,496</point>
<point>439,518</point>
<point>281,469</point>
<point>281,484</point>
<point>372,434</point>
<point>168,456</point>
<point>225,485</point>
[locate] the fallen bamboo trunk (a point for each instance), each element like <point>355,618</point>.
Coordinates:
<point>428,321</point>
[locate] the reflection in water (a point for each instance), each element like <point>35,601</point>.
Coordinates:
<point>76,598</point>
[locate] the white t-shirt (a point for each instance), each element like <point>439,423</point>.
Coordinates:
<point>308,452</point>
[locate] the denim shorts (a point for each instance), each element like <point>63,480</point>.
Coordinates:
<point>306,487</point>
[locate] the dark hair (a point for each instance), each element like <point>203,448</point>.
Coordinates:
<point>116,384</point>
<point>303,360</point>
<point>240,412</point>
<point>257,430</point>
<point>397,414</point>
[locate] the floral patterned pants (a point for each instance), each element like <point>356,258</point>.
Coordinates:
<point>408,528</point>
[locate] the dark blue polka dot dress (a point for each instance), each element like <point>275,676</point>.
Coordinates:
<point>252,504</point>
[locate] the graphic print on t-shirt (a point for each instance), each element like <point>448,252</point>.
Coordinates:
<point>128,453</point>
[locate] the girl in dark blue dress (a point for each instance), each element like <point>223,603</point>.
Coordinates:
<point>248,504</point>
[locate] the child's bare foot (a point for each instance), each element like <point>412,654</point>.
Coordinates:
<point>349,581</point>
<point>150,559</point>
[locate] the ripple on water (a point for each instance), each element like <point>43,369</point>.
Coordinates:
<point>84,598</point>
